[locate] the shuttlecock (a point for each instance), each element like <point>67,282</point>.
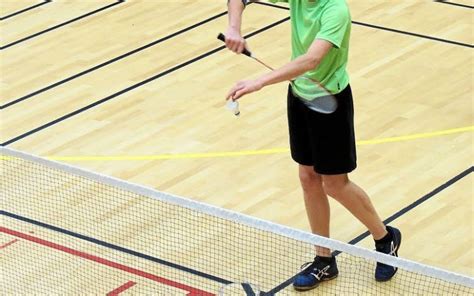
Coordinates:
<point>233,106</point>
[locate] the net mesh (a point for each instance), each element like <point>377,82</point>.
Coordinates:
<point>68,233</point>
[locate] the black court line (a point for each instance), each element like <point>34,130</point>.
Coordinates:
<point>24,10</point>
<point>58,83</point>
<point>248,289</point>
<point>415,35</point>
<point>132,87</point>
<point>60,25</point>
<point>46,88</point>
<point>455,4</point>
<point>390,29</point>
<point>388,220</point>
<point>116,247</point>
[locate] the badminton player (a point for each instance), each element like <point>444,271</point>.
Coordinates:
<point>323,145</point>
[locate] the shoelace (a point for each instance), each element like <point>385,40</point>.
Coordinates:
<point>321,273</point>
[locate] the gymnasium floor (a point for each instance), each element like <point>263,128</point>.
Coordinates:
<point>135,89</point>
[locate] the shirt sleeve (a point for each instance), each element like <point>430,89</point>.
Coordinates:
<point>334,23</point>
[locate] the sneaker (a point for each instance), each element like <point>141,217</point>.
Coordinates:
<point>313,273</point>
<point>384,272</point>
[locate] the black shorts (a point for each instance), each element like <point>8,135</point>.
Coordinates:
<point>324,141</point>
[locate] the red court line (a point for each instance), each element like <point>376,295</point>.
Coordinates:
<point>191,290</point>
<point>122,288</point>
<point>8,244</point>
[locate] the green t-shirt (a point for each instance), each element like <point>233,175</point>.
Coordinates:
<point>321,19</point>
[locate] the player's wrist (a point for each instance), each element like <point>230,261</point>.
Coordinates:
<point>234,29</point>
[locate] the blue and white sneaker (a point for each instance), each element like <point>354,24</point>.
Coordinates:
<point>385,272</point>
<point>313,273</point>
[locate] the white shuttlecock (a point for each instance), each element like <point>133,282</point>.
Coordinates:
<point>233,106</point>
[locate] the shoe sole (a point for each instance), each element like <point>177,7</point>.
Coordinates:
<point>396,253</point>
<point>302,289</point>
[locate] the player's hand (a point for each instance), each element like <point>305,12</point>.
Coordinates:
<point>242,88</point>
<point>234,41</point>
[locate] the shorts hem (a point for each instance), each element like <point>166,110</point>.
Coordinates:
<point>335,171</point>
<point>309,163</point>
<point>326,171</point>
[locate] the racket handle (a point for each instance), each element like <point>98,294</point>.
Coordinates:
<point>246,52</point>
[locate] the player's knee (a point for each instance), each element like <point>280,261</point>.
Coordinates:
<point>334,185</point>
<point>309,178</point>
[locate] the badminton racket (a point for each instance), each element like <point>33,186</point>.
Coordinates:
<point>324,102</point>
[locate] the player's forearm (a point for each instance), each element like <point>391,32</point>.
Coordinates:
<point>235,9</point>
<point>291,70</point>
<point>300,65</point>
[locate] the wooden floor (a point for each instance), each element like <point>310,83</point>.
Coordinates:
<point>136,90</point>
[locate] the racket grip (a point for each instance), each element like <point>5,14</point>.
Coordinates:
<point>246,52</point>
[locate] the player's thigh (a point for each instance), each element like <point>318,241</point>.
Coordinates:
<point>333,138</point>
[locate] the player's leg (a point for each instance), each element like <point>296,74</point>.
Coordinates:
<point>317,205</point>
<point>316,200</point>
<point>324,266</point>
<point>353,198</point>
<point>335,154</point>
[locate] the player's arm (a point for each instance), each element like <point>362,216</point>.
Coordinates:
<point>335,23</point>
<point>234,40</point>
<point>309,61</point>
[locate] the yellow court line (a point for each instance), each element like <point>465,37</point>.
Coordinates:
<point>255,152</point>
